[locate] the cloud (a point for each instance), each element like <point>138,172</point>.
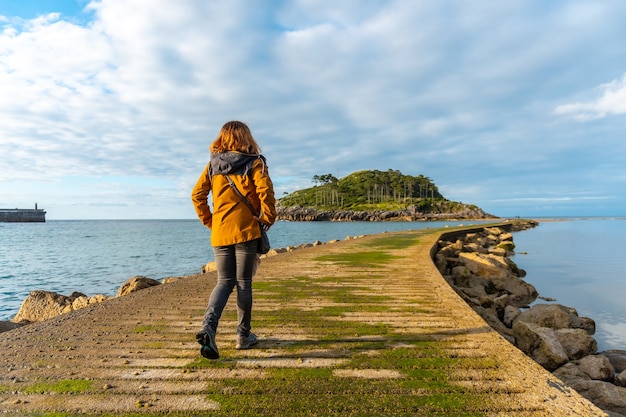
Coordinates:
<point>612,101</point>
<point>463,93</point>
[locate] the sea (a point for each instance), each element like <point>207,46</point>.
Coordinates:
<point>578,262</point>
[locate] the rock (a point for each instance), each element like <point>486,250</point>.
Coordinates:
<point>617,358</point>
<point>588,325</point>
<point>554,316</point>
<point>577,343</point>
<point>451,250</point>
<point>136,283</point>
<point>597,367</point>
<point>211,266</point>
<point>83,301</point>
<point>612,414</point>
<point>493,231</point>
<point>500,303</point>
<point>510,314</point>
<point>620,379</point>
<point>498,252</point>
<point>486,266</point>
<point>42,305</point>
<point>500,272</point>
<point>5,326</point>
<point>570,373</point>
<point>541,344</point>
<point>506,246</point>
<point>602,394</point>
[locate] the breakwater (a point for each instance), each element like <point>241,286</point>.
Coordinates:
<point>476,264</point>
<point>336,333</point>
<point>16,215</point>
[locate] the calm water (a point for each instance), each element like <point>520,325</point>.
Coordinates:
<point>98,256</point>
<point>579,262</point>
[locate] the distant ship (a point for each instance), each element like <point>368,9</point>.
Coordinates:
<point>23,215</point>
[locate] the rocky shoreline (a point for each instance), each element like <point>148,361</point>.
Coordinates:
<point>308,214</point>
<point>477,265</point>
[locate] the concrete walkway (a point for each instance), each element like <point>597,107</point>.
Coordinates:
<point>360,327</point>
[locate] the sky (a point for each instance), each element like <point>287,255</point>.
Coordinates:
<point>108,107</point>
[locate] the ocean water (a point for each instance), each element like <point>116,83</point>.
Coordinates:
<point>98,256</point>
<point>579,262</point>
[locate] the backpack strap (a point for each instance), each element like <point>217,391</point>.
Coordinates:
<point>244,199</point>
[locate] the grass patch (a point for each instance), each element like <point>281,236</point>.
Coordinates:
<point>64,386</point>
<point>371,259</point>
<point>396,241</point>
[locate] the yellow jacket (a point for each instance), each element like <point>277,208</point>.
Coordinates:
<point>231,221</point>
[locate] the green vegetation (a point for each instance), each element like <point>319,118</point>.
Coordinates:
<point>423,363</point>
<point>64,386</point>
<point>373,190</point>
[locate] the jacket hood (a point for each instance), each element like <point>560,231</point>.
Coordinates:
<point>232,163</point>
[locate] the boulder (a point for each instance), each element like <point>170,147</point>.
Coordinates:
<point>42,305</point>
<point>211,266</point>
<point>577,343</point>
<point>83,301</point>
<point>554,316</point>
<point>570,373</point>
<point>620,379</point>
<point>597,367</point>
<point>510,314</point>
<point>507,246</point>
<point>136,283</point>
<point>602,394</point>
<point>500,303</point>
<point>500,272</point>
<point>608,397</point>
<point>617,358</point>
<point>451,250</point>
<point>486,266</point>
<point>498,252</point>
<point>541,344</point>
<point>495,231</point>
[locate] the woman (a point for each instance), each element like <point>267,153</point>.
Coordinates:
<point>234,228</point>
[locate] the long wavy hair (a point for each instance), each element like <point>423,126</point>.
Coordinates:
<point>235,136</point>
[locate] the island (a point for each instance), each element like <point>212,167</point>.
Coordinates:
<point>373,195</point>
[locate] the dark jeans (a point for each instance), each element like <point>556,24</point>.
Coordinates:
<point>235,264</point>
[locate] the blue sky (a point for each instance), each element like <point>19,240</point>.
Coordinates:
<point>108,107</point>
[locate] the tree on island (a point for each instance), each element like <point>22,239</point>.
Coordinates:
<point>366,190</point>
